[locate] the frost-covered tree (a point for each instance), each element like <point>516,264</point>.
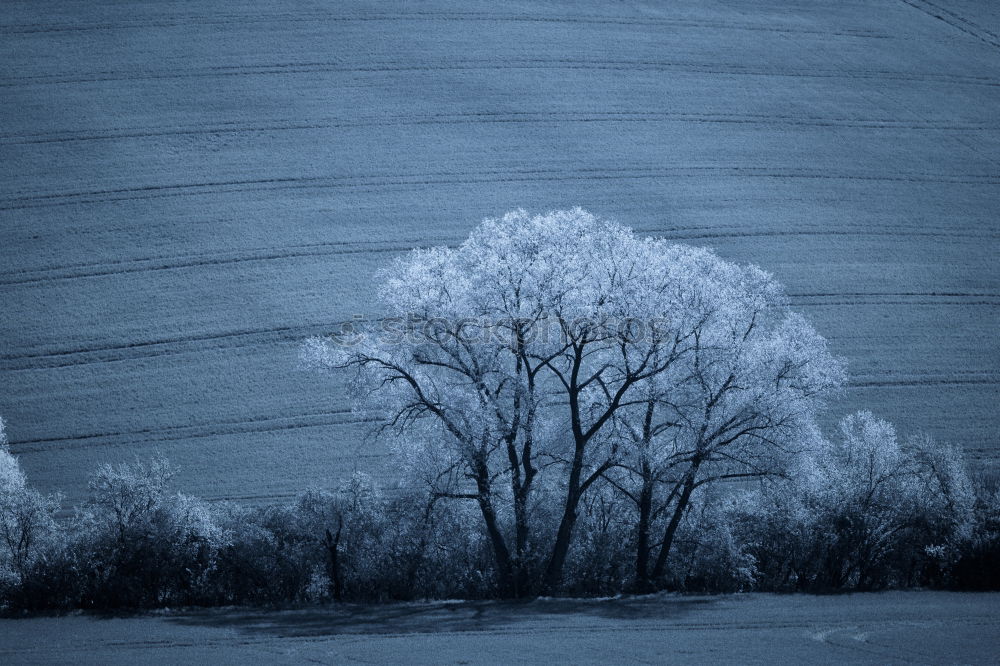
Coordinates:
<point>540,345</point>
<point>26,516</point>
<point>868,494</point>
<point>740,406</point>
<point>130,492</point>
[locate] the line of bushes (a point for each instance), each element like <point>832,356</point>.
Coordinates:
<point>873,519</point>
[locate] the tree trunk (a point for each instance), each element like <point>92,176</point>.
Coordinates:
<point>553,572</point>
<point>500,551</point>
<point>643,583</point>
<point>333,560</point>
<point>521,492</point>
<point>675,521</point>
<point>521,582</point>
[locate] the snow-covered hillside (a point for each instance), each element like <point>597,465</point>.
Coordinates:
<point>190,189</point>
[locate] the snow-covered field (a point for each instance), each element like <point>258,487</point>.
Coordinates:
<point>887,628</point>
<point>189,189</point>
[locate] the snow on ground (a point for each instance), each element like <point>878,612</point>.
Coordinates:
<point>886,628</point>
<point>189,189</point>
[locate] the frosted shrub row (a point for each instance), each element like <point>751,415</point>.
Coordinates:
<point>872,515</point>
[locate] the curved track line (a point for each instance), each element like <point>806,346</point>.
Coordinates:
<point>907,383</point>
<point>61,358</point>
<point>147,192</point>
<point>178,262</point>
<point>349,244</point>
<point>991,304</point>
<point>956,21</point>
<point>500,118</point>
<point>136,264</point>
<point>322,419</point>
<point>568,64</point>
<point>242,339</point>
<point>188,432</point>
<point>182,262</point>
<point>313,17</point>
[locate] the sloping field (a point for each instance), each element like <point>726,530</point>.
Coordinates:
<point>888,628</point>
<point>189,189</point>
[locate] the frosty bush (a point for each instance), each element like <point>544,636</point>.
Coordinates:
<point>976,564</point>
<point>27,527</point>
<point>830,527</point>
<point>709,556</point>
<point>125,496</point>
<point>864,511</point>
<point>136,544</point>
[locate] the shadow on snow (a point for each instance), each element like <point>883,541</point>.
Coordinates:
<point>434,617</point>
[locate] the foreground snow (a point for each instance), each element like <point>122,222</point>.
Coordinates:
<point>896,627</point>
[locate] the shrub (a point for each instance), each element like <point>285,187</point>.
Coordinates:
<point>28,530</point>
<point>865,512</point>
<point>708,556</point>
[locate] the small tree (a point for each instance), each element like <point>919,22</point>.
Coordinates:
<point>26,517</point>
<point>125,534</point>
<point>129,493</point>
